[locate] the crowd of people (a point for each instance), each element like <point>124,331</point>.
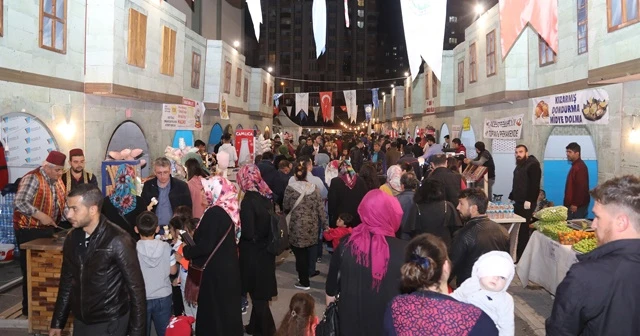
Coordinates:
<point>403,228</point>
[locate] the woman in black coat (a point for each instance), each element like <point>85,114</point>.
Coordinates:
<point>431,213</point>
<point>345,193</point>
<point>219,309</point>
<point>257,265</point>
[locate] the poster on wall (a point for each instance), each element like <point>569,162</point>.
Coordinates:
<point>430,107</point>
<point>455,131</point>
<point>584,107</point>
<point>244,146</point>
<point>504,128</point>
<point>224,106</point>
<point>27,142</point>
<point>466,124</point>
<point>185,116</point>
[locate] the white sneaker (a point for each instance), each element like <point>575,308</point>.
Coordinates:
<point>299,286</point>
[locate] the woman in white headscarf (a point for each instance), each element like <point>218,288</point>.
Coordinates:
<point>393,186</point>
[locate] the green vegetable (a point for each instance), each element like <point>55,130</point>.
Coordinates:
<point>586,245</point>
<point>551,229</point>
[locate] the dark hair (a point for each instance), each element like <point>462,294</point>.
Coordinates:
<point>425,256</point>
<point>523,146</point>
<point>438,160</point>
<point>409,181</point>
<point>147,223</point>
<point>408,149</point>
<point>453,163</point>
<point>397,144</point>
<point>226,137</point>
<point>183,223</point>
<point>300,171</point>
<point>184,211</point>
<point>574,147</point>
<point>622,192</point>
<point>306,159</point>
<point>194,169</point>
<point>199,143</point>
<point>268,155</point>
<point>418,139</point>
<point>301,138</point>
<point>283,164</point>
<point>477,197</point>
<point>430,138</point>
<point>480,146</point>
<point>90,194</point>
<point>297,321</point>
<point>257,159</point>
<point>347,218</point>
<point>446,136</point>
<point>406,166</point>
<point>457,141</point>
<point>430,191</point>
<point>369,175</point>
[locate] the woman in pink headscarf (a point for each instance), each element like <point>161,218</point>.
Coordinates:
<point>219,310</point>
<point>257,265</point>
<point>365,268</point>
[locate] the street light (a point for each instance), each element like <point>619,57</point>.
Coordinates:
<point>406,74</point>
<point>479,9</point>
<point>236,44</point>
<point>269,69</point>
<point>392,86</point>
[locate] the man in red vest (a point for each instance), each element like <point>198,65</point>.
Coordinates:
<point>38,208</point>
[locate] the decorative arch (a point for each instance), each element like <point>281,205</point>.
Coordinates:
<point>27,142</point>
<point>444,130</point>
<point>228,129</point>
<point>239,127</point>
<point>555,162</point>
<point>129,135</point>
<point>186,135</point>
<point>214,136</point>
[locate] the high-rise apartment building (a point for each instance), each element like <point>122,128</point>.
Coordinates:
<point>287,45</point>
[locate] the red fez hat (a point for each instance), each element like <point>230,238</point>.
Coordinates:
<point>75,152</point>
<point>56,158</point>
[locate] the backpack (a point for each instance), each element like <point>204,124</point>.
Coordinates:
<point>279,234</point>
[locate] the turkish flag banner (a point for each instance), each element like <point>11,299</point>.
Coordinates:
<point>515,14</point>
<point>326,100</point>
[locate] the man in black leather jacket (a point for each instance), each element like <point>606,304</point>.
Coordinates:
<point>478,236</point>
<point>451,181</point>
<point>101,281</point>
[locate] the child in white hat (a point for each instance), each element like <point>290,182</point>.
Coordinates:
<point>487,289</point>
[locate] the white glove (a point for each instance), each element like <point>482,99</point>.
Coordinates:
<point>527,205</point>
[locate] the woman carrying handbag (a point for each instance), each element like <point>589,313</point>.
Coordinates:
<point>215,253</point>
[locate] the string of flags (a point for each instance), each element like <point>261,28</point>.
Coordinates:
<point>326,107</point>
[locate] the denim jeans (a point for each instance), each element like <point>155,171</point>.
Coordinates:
<point>159,311</point>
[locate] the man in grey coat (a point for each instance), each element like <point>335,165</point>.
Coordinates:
<point>409,184</point>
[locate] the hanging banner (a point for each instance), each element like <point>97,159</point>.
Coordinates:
<point>26,140</point>
<point>351,103</point>
<point>584,107</point>
<point>224,107</point>
<point>255,10</point>
<point>509,128</point>
<point>374,98</point>
<point>515,14</point>
<point>346,13</point>
<point>332,116</point>
<point>315,112</point>
<point>368,108</point>
<point>319,21</point>
<point>276,99</point>
<point>325,104</point>
<point>185,116</point>
<point>302,102</point>
<point>424,24</point>
<point>244,146</point>
<point>290,111</point>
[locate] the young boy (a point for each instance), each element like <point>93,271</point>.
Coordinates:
<point>487,289</point>
<point>175,225</point>
<point>343,228</point>
<point>157,263</point>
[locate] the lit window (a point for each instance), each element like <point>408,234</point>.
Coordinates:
<point>360,24</point>
<point>453,19</point>
<point>582,27</point>
<point>547,56</point>
<point>453,40</point>
<point>53,25</point>
<point>361,12</point>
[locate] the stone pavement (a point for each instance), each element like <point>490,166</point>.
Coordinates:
<point>532,306</point>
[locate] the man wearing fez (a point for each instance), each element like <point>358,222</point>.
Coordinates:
<point>38,208</point>
<point>76,174</point>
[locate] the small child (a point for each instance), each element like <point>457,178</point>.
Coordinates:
<point>175,225</point>
<point>487,289</point>
<point>543,202</point>
<point>343,228</point>
<point>157,263</point>
<point>300,320</point>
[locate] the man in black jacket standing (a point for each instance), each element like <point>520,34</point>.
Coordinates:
<point>525,191</point>
<point>101,281</point>
<point>357,155</point>
<point>451,181</point>
<point>600,294</point>
<point>168,191</point>
<point>478,236</point>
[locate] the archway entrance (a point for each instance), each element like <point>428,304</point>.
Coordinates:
<point>129,135</point>
<point>444,130</point>
<point>214,137</point>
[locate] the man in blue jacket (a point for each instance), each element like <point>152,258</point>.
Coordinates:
<point>600,294</point>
